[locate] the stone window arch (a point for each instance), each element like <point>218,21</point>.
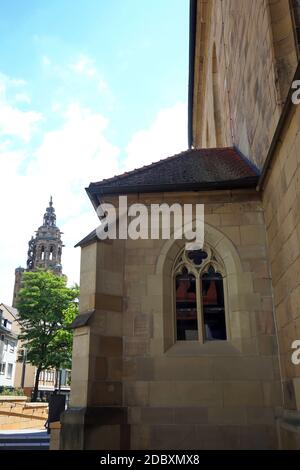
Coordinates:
<point>239,296</point>
<point>199,296</point>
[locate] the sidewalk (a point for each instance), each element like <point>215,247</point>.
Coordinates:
<point>30,439</point>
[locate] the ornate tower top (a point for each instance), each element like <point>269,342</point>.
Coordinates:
<point>44,250</point>
<point>49,216</point>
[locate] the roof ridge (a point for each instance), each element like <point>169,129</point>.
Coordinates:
<point>247,160</point>
<point>13,310</point>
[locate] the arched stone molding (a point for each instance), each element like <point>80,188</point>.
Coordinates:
<point>237,285</point>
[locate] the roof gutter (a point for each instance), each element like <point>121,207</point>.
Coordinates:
<point>95,191</point>
<point>192,50</point>
<point>287,108</point>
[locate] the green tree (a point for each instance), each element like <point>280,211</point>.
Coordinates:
<point>47,308</point>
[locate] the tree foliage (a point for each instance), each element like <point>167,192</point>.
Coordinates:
<point>47,308</point>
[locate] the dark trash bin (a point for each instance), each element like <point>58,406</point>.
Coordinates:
<point>57,404</point>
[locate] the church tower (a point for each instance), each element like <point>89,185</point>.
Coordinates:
<point>44,250</point>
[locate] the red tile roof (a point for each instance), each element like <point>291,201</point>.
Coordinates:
<point>192,170</point>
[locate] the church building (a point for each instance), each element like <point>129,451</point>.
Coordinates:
<point>44,252</point>
<point>177,349</point>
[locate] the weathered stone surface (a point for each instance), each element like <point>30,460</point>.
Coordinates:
<point>216,394</point>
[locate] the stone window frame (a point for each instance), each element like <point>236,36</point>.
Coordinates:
<point>238,288</point>
<point>213,260</point>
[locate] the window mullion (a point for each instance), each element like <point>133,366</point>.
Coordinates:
<point>199,309</point>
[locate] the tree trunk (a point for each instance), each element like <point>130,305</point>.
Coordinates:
<point>36,385</point>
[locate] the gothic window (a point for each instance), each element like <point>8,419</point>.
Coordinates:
<point>51,253</point>
<point>186,306</point>
<point>199,296</point>
<point>213,305</point>
<point>42,253</point>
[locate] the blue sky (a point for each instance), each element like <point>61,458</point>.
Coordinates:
<point>88,89</point>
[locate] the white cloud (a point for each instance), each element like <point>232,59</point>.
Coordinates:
<point>18,123</point>
<point>16,82</point>
<point>71,157</point>
<point>6,82</point>
<point>45,60</point>
<point>102,85</point>
<point>68,158</point>
<point>84,66</point>
<point>78,151</point>
<point>56,107</point>
<point>80,78</point>
<point>22,98</point>
<point>13,121</point>
<point>166,136</point>
<point>65,162</point>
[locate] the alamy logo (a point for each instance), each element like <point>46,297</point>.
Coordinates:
<point>156,221</point>
<point>296,353</point>
<point>296,94</point>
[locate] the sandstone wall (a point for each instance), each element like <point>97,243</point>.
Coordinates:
<point>281,199</point>
<point>16,413</point>
<point>133,386</point>
<point>249,61</point>
<point>221,395</point>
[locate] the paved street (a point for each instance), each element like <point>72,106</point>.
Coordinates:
<point>29,439</point>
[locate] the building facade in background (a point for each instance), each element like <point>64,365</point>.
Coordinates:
<point>8,349</point>
<point>193,350</point>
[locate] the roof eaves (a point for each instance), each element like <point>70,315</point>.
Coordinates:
<point>239,183</point>
<point>91,237</point>
<point>12,310</point>
<point>82,319</point>
<point>93,196</point>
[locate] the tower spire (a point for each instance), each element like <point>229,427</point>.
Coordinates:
<point>49,216</point>
<point>44,250</point>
